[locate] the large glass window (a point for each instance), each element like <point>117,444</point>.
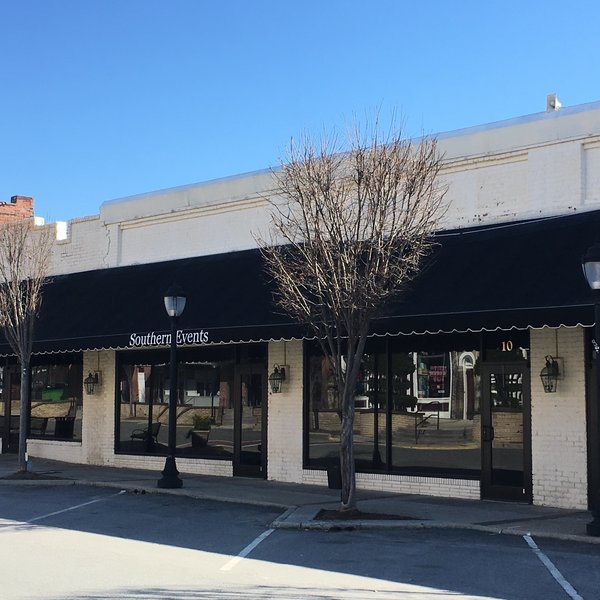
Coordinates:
<point>204,403</point>
<point>56,400</point>
<point>417,411</point>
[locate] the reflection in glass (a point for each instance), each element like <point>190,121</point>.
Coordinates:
<point>252,393</point>
<point>56,401</point>
<point>204,408</point>
<point>324,415</point>
<point>416,412</point>
<point>506,390</point>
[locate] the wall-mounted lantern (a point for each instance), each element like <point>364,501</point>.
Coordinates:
<point>276,378</point>
<point>90,383</point>
<point>94,379</point>
<point>550,374</point>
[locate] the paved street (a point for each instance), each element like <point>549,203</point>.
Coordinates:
<point>90,542</point>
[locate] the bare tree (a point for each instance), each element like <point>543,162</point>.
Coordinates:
<point>349,230</point>
<point>24,262</point>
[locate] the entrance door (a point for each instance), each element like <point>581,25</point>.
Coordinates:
<point>506,432</point>
<point>249,451</point>
<point>10,390</point>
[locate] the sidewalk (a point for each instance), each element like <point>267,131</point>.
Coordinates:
<point>301,503</point>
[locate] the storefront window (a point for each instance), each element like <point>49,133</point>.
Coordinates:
<point>416,411</point>
<point>324,411</point>
<point>370,403</point>
<point>204,404</point>
<point>56,401</point>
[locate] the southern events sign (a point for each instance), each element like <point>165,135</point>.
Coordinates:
<point>184,338</point>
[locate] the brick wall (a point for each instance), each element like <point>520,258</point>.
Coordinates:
<point>405,484</point>
<point>558,421</point>
<point>19,207</point>
<point>98,424</point>
<point>284,461</point>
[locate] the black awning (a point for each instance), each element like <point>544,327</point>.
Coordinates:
<point>228,298</point>
<point>514,275</point>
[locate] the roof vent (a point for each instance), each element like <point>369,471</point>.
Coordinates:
<point>552,103</point>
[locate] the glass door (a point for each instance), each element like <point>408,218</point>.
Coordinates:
<point>506,432</point>
<point>250,417</point>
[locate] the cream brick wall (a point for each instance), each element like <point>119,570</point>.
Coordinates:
<point>71,452</point>
<point>284,460</point>
<point>86,248</point>
<point>212,230</point>
<point>591,174</point>
<point>218,468</point>
<point>485,189</point>
<point>98,424</point>
<point>405,484</point>
<point>555,177</point>
<point>558,421</point>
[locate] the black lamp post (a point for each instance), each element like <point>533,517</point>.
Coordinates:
<point>591,270</point>
<point>174,303</point>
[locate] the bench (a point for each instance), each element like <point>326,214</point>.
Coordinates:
<point>146,434</point>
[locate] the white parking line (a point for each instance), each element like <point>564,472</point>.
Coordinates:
<point>64,510</point>
<point>553,570</point>
<point>234,561</point>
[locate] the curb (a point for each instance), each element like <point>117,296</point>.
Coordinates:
<point>303,518</point>
<point>35,482</point>
<point>291,521</point>
<point>140,489</point>
<point>379,525</point>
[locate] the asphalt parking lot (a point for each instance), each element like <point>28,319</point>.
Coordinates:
<point>91,542</point>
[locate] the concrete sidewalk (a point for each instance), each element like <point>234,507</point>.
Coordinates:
<point>301,503</point>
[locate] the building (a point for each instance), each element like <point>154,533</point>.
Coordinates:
<point>450,400</point>
<point>19,207</point>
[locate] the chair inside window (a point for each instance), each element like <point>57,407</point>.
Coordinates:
<point>147,433</point>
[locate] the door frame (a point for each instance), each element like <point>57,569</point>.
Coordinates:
<point>489,489</point>
<point>240,469</point>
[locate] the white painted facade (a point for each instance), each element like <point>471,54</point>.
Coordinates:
<point>540,165</point>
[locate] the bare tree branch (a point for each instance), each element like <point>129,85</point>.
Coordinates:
<point>349,232</point>
<point>24,263</point>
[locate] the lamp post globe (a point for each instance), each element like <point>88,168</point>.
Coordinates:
<point>591,269</point>
<point>174,300</point>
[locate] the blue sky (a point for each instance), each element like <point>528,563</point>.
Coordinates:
<point>101,99</point>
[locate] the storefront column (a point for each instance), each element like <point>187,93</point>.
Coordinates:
<point>98,424</point>
<point>284,428</point>
<point>558,420</point>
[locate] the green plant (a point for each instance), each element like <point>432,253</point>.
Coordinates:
<point>403,402</point>
<point>201,422</point>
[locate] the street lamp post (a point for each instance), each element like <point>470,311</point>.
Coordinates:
<point>174,304</point>
<point>591,270</point>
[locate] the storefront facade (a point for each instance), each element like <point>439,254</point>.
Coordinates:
<point>449,400</point>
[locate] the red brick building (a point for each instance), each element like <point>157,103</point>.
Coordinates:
<point>19,207</point>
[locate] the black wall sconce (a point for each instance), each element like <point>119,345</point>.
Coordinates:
<point>90,383</point>
<point>276,378</point>
<point>550,374</point>
<point>94,379</point>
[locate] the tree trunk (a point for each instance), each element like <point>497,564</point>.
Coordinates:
<point>23,417</point>
<point>347,467</point>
